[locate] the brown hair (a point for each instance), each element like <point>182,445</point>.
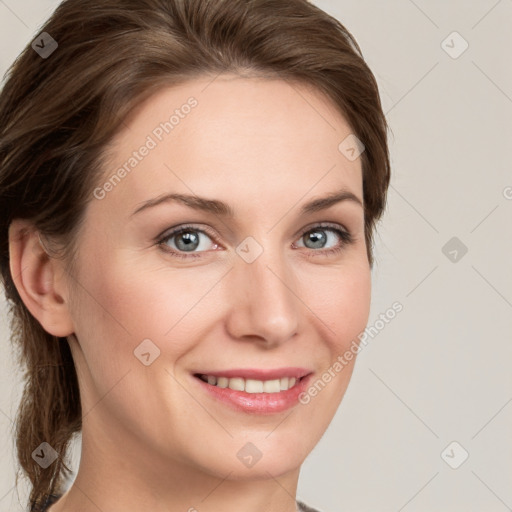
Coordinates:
<point>59,113</point>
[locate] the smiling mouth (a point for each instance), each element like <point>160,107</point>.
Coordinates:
<point>250,385</point>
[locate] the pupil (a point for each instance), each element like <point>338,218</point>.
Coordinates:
<point>320,238</point>
<point>191,240</point>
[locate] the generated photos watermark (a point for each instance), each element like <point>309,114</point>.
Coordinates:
<point>152,140</point>
<point>343,360</point>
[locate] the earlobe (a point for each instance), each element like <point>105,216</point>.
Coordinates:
<point>38,279</point>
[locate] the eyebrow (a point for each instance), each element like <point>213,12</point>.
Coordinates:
<point>220,208</point>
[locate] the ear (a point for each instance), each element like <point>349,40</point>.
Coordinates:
<point>39,279</point>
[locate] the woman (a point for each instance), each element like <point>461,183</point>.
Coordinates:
<point>188,194</point>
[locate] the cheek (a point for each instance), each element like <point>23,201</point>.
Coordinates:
<point>343,309</point>
<point>130,302</point>
<point>355,302</point>
<point>343,304</point>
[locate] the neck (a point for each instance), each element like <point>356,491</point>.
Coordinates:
<point>133,479</point>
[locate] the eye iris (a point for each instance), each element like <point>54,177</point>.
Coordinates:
<point>320,237</point>
<point>190,239</point>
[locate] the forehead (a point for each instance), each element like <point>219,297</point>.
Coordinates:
<point>248,137</point>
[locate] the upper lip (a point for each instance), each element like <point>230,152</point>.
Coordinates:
<point>259,374</point>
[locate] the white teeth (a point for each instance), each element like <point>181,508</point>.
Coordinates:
<point>222,382</point>
<point>272,386</point>
<point>237,384</point>
<point>251,385</point>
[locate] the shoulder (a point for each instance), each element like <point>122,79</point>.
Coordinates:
<point>302,507</point>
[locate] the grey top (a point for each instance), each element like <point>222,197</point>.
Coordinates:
<point>304,508</point>
<point>53,498</point>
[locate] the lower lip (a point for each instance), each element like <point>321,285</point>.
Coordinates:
<point>257,403</point>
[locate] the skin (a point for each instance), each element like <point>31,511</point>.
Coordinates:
<point>152,439</point>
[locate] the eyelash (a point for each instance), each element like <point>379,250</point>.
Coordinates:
<point>345,236</point>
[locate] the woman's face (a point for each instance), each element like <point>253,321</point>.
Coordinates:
<point>264,289</point>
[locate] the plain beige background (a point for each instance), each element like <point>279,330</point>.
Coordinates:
<point>433,385</point>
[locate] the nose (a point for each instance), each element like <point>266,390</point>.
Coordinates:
<point>264,305</point>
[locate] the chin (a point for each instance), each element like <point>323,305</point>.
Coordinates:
<point>257,459</point>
